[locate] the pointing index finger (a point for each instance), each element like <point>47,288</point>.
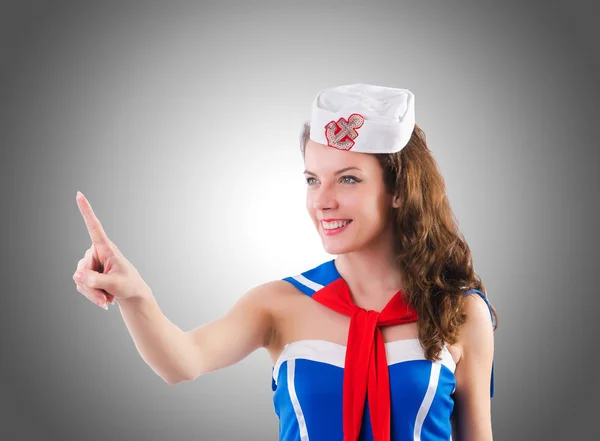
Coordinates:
<point>94,227</point>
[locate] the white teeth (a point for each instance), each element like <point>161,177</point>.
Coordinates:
<point>334,225</point>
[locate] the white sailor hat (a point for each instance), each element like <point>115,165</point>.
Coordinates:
<point>363,118</point>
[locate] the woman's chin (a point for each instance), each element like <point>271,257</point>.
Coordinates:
<point>335,248</point>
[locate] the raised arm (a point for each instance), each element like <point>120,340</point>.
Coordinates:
<point>247,326</point>
<point>105,274</point>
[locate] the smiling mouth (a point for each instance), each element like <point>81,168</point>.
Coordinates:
<point>334,227</point>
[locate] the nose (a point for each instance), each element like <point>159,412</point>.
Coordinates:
<point>325,199</point>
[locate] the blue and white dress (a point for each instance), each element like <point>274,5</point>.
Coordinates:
<point>307,381</point>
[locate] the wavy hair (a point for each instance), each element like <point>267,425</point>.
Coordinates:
<point>431,251</point>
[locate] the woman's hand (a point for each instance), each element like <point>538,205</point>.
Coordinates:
<point>104,274</point>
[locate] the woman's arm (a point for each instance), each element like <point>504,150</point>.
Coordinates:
<point>472,412</point>
<point>247,326</point>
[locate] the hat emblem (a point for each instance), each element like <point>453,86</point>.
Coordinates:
<point>341,134</point>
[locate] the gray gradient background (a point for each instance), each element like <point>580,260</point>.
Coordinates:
<point>179,123</point>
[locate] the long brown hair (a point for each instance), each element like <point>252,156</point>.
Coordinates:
<point>431,251</point>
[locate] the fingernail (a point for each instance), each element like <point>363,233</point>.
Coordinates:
<point>77,276</point>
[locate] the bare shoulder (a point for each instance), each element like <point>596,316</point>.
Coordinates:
<point>283,301</point>
<point>475,337</point>
<point>472,374</point>
<point>273,293</point>
<point>251,323</point>
<point>478,318</point>
<point>477,331</point>
<point>276,297</point>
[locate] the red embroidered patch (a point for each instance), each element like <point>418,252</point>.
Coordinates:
<point>341,134</point>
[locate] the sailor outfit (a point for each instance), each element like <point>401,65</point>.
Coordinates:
<point>308,381</point>
<point>367,390</point>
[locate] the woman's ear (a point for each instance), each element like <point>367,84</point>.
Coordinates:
<point>396,201</point>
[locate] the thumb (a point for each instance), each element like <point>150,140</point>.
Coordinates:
<point>96,280</point>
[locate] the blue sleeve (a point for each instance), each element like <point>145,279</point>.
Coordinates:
<point>482,295</point>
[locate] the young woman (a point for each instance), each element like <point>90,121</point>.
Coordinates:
<point>392,339</point>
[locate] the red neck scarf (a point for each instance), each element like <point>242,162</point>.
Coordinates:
<point>366,367</point>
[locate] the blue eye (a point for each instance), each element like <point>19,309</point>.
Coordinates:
<point>351,177</point>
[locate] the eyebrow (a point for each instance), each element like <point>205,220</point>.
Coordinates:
<point>337,172</point>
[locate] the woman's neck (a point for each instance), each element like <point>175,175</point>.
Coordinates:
<point>373,277</point>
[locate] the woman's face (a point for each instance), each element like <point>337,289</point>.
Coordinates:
<point>336,194</point>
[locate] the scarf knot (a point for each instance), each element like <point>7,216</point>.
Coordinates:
<point>365,369</point>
